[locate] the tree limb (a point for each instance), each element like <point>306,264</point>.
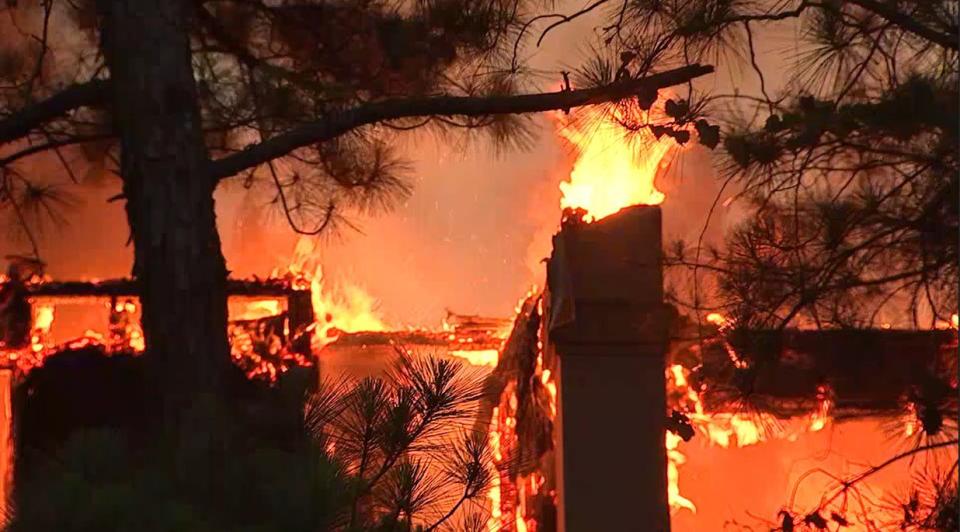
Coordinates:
<point>908,23</point>
<point>51,145</point>
<point>20,123</point>
<point>339,122</point>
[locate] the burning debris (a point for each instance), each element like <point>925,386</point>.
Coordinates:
<point>276,323</point>
<point>40,297</point>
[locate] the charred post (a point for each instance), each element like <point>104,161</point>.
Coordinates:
<point>300,309</point>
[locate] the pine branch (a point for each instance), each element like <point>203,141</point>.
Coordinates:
<point>847,484</point>
<point>890,13</point>
<point>337,123</point>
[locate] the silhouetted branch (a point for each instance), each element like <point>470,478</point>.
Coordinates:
<point>847,484</point>
<point>337,123</point>
<point>20,123</point>
<point>889,12</point>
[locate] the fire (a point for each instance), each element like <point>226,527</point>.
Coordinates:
<point>508,510</point>
<point>717,319</point>
<point>336,309</point>
<point>125,332</point>
<point>675,458</point>
<point>727,430</point>
<point>612,170</point>
<point>42,322</point>
<point>493,524</point>
<point>347,308</point>
<point>502,493</point>
<point>257,309</point>
<point>821,417</point>
<point>480,357</point>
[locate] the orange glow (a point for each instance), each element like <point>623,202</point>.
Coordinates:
<point>42,317</point>
<point>717,319</point>
<point>819,419</point>
<point>258,309</point>
<point>613,170</point>
<point>675,458</point>
<point>346,308</point>
<point>336,309</point>
<point>482,357</point>
<point>911,423</point>
<point>125,333</point>
<point>42,322</point>
<point>493,524</point>
<point>726,430</point>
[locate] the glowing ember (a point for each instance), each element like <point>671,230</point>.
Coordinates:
<point>717,319</point>
<point>613,170</point>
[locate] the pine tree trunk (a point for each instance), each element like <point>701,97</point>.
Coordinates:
<point>178,262</point>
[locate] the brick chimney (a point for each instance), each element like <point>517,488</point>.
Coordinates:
<point>607,325</point>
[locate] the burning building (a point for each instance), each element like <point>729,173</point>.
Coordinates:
<point>605,407</point>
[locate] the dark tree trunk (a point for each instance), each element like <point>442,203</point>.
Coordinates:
<point>178,262</point>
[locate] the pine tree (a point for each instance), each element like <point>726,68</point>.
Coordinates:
<point>300,97</point>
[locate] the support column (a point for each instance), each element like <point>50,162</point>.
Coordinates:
<point>607,324</point>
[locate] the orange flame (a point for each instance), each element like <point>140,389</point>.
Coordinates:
<point>717,319</point>
<point>337,309</point>
<point>479,357</point>
<point>730,429</point>
<point>612,170</point>
<point>346,308</point>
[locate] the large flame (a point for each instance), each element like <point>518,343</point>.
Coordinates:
<point>614,168</point>
<point>343,308</point>
<point>336,308</point>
